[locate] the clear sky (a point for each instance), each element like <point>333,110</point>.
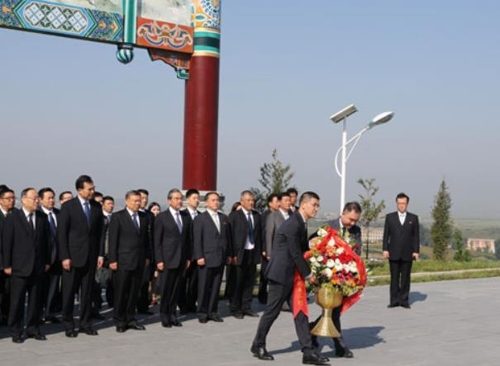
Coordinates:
<point>69,107</point>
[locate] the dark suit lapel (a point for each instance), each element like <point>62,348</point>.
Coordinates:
<point>131,222</point>
<point>25,223</point>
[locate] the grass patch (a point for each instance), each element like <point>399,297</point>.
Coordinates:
<point>382,268</point>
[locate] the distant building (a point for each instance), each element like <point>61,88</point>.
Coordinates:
<point>376,235</point>
<point>481,245</point>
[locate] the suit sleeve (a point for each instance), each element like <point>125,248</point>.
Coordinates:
<point>7,241</point>
<point>114,234</point>
<point>230,250</point>
<point>231,242</point>
<point>102,239</point>
<point>63,232</point>
<point>416,236</point>
<point>258,238</point>
<point>157,237</point>
<point>270,227</point>
<point>149,249</point>
<point>47,241</point>
<point>198,237</point>
<point>294,248</point>
<point>387,234</point>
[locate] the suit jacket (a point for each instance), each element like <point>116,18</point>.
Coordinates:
<point>209,243</point>
<point>401,241</point>
<point>273,222</point>
<point>287,255</point>
<point>53,246</point>
<point>25,250</point>
<point>2,220</point>
<point>354,233</point>
<point>171,246</point>
<point>77,240</point>
<point>263,221</point>
<point>128,246</point>
<point>191,237</point>
<point>239,234</point>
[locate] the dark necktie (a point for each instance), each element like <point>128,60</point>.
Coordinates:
<point>30,221</point>
<point>52,224</point>
<point>136,223</point>
<point>343,231</point>
<point>251,239</point>
<point>86,209</point>
<point>178,221</point>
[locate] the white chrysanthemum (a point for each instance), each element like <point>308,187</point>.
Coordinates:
<point>320,258</point>
<point>340,250</point>
<point>330,263</point>
<point>317,264</point>
<point>328,273</point>
<point>331,243</point>
<point>322,232</point>
<point>312,259</point>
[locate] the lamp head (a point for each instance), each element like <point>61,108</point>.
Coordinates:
<point>344,113</point>
<point>380,119</point>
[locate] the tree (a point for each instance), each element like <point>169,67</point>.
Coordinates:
<point>371,209</point>
<point>275,177</point>
<point>461,254</point>
<point>441,229</point>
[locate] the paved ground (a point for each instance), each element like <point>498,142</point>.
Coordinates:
<point>450,323</point>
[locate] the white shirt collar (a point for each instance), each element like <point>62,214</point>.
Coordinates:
<point>26,213</point>
<point>46,211</point>
<point>82,201</point>
<point>131,213</point>
<point>172,211</point>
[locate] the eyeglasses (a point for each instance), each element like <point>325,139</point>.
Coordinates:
<point>33,198</point>
<point>9,198</point>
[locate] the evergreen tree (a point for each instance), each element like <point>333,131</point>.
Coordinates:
<point>371,209</point>
<point>275,177</point>
<point>462,254</point>
<point>441,229</point>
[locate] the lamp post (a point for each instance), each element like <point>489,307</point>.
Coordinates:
<point>342,116</point>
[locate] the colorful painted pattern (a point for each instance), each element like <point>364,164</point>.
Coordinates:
<point>61,19</point>
<point>180,62</point>
<point>168,36</point>
<point>205,14</point>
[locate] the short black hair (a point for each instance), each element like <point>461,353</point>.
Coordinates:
<point>98,194</point>
<point>306,196</point>
<point>211,193</point>
<point>108,198</point>
<point>4,191</point>
<point>61,195</point>
<point>143,191</point>
<point>283,194</point>
<point>42,192</point>
<point>293,190</point>
<point>271,197</point>
<point>81,180</point>
<point>192,191</point>
<point>352,206</point>
<point>153,204</point>
<point>403,195</point>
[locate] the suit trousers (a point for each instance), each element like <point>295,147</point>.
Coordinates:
<point>18,289</point>
<point>143,300</point>
<point>188,288</point>
<point>400,281</point>
<point>263,282</point>
<point>277,296</point>
<point>245,281</point>
<point>4,296</point>
<point>126,290</point>
<point>51,293</point>
<point>77,278</point>
<point>209,281</point>
<point>169,294</point>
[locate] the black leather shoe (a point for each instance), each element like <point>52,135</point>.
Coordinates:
<point>89,331</point>
<point>37,336</point>
<point>71,333</point>
<point>250,313</point>
<point>341,349</point>
<point>392,305</point>
<point>121,329</point>
<point>314,359</point>
<point>238,315</point>
<point>176,323</point>
<point>406,306</point>
<point>261,353</point>
<point>136,326</point>
<point>216,319</point>
<point>17,339</point>
<point>202,320</point>
<point>166,324</point>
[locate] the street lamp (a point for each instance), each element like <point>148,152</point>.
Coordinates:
<point>342,116</point>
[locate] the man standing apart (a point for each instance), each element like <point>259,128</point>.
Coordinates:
<point>129,253</point>
<point>246,238</point>
<point>286,258</point>
<point>212,248</point>
<point>401,246</point>
<point>25,242</point>
<point>81,249</point>
<point>172,231</point>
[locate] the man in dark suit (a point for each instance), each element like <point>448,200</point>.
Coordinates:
<point>272,206</point>
<point>401,245</point>
<point>212,248</point>
<point>294,194</point>
<point>7,202</point>
<point>172,232</point>
<point>51,294</point>
<point>286,258</point>
<point>351,233</point>
<point>129,252</point>
<point>246,239</point>
<point>80,237</point>
<point>25,258</point>
<point>188,283</point>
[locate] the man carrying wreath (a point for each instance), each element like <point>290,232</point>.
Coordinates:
<point>287,259</point>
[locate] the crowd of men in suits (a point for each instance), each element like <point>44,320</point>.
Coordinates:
<point>53,256</point>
